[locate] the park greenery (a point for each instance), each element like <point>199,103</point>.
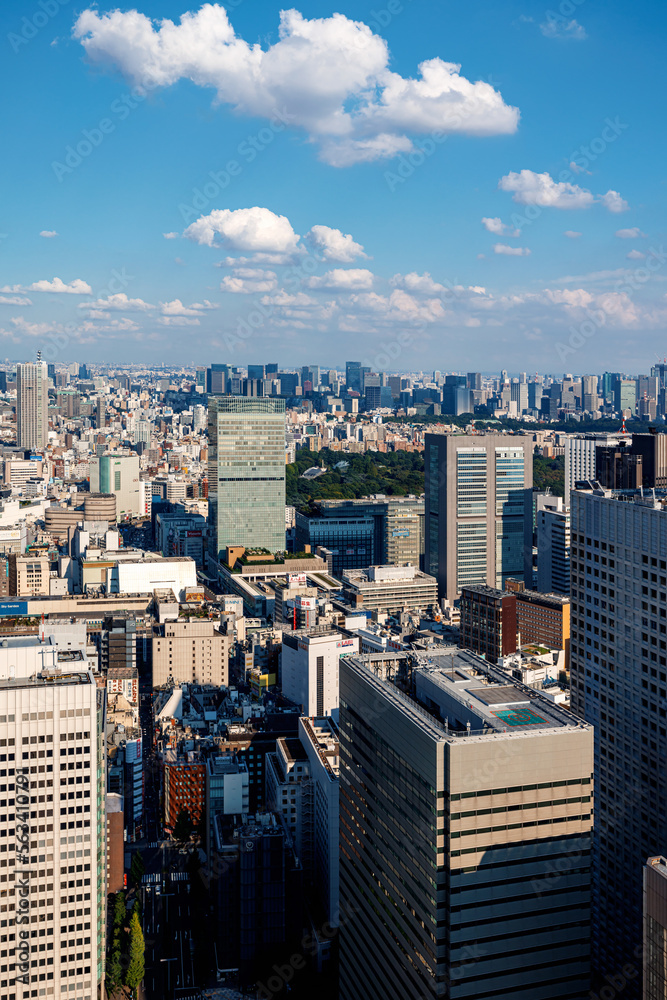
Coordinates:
<point>395,473</point>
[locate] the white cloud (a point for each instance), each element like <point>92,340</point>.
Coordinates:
<point>530,188</point>
<point>175,308</point>
<point>48,234</point>
<point>327,76</point>
<point>572,234</point>
<point>560,27</point>
<point>613,201</point>
<point>418,283</point>
<point>249,280</point>
<point>76,287</point>
<point>334,245</point>
<point>630,234</point>
<point>503,248</point>
<point>636,255</point>
<point>178,320</point>
<point>14,300</point>
<point>499,228</point>
<point>346,280</point>
<point>118,303</point>
<point>124,325</point>
<point>171,236</point>
<point>245,229</point>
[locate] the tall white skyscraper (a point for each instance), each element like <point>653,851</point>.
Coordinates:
<point>52,839</point>
<point>32,405</point>
<point>553,545</point>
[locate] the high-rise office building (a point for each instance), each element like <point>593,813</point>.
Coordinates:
<point>246,473</point>
<point>655,930</point>
<point>32,405</point>
<point>118,474</point>
<point>552,526</point>
<point>618,670</point>
<point>478,521</point>
<point>52,826</point>
<point>465,819</point>
<point>310,667</point>
<point>353,375</point>
<point>217,378</point>
<point>256,372</point>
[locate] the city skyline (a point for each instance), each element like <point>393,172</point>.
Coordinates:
<point>345,203</point>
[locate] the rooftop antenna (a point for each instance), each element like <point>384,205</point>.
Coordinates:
<point>39,357</point>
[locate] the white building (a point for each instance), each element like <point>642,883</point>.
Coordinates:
<point>310,659</point>
<point>553,545</point>
<point>118,474</point>
<point>580,451</point>
<point>53,916</point>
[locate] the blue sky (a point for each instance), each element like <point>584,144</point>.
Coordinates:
<point>350,222</point>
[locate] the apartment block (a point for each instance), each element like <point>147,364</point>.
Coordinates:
<point>194,652</point>
<point>618,671</point>
<point>29,575</point>
<point>183,787</point>
<point>465,819</point>
<point>544,619</point>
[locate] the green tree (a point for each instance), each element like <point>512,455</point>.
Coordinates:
<point>119,911</point>
<point>137,868</point>
<point>114,971</point>
<point>136,953</point>
<point>183,826</point>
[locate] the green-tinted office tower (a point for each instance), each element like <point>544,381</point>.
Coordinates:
<point>246,472</point>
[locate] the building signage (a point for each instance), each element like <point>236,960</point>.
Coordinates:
<point>13,608</point>
<point>345,642</point>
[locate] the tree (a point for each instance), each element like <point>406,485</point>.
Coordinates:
<point>119,911</point>
<point>183,826</point>
<point>137,868</point>
<point>114,972</point>
<point>136,953</point>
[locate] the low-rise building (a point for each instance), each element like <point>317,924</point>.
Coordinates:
<point>390,588</point>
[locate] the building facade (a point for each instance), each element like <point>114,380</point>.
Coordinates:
<point>32,405</point>
<point>478,518</point>
<point>488,622</point>
<point>553,545</point>
<point>655,930</point>
<point>458,804</point>
<point>118,474</point>
<point>310,667</point>
<point>618,672</point>
<point>246,473</point>
<point>192,652</point>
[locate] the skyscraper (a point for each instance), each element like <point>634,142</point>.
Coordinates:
<point>465,818</point>
<point>53,918</point>
<point>478,523</point>
<point>618,669</point>
<point>553,545</point>
<point>246,473</point>
<point>32,405</point>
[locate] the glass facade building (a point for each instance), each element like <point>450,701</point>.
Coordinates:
<point>246,473</point>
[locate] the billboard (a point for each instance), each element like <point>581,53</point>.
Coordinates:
<point>13,608</point>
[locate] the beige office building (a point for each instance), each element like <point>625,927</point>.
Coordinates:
<point>465,833</point>
<point>29,575</point>
<point>191,652</point>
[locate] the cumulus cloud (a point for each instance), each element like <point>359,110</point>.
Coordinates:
<point>508,251</point>
<point>636,255</point>
<point>176,308</point>
<point>48,234</point>
<point>75,287</point>
<point>329,77</point>
<point>118,303</point>
<point>14,300</point>
<point>630,234</point>
<point>346,280</point>
<point>246,229</point>
<point>613,202</point>
<point>124,325</point>
<point>531,188</point>
<point>171,236</point>
<point>334,245</point>
<point>560,27</point>
<point>422,284</point>
<point>572,234</point>
<point>248,280</point>
<point>499,228</point>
